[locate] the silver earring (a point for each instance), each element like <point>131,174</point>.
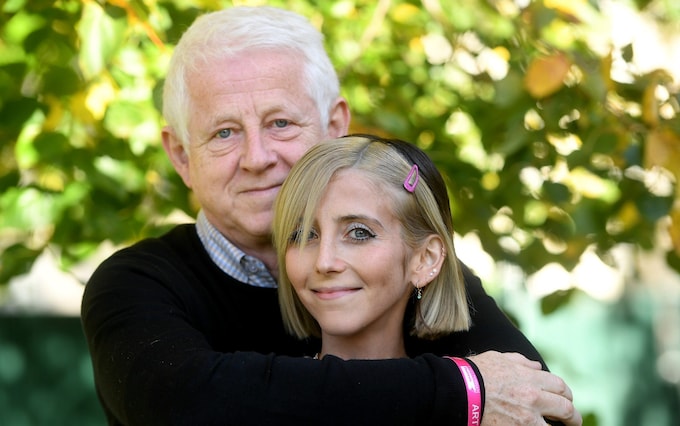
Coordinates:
<point>432,272</point>
<point>419,293</point>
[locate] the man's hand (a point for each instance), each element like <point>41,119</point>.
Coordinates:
<point>519,393</point>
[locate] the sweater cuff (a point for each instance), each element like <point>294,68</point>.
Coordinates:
<point>480,379</point>
<point>450,405</point>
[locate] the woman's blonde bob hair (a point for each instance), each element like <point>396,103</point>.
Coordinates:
<point>443,308</point>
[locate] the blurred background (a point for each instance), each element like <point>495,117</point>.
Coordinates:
<point>555,122</point>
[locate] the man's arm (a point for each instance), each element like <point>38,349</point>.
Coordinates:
<point>491,328</point>
<point>518,392</point>
<point>519,388</point>
<point>155,362</point>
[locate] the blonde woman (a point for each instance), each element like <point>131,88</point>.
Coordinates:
<point>365,247</point>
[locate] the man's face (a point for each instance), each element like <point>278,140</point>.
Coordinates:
<point>251,119</point>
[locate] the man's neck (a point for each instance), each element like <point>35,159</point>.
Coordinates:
<point>259,248</point>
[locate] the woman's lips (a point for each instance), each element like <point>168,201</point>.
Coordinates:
<point>334,293</point>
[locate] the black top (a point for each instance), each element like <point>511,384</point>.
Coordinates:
<point>174,340</point>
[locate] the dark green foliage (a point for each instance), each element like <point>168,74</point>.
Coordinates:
<point>516,108</point>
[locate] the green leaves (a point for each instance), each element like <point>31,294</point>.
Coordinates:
<point>79,129</point>
<point>516,105</point>
<point>100,35</point>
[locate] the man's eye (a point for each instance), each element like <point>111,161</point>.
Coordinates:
<point>224,133</point>
<point>281,123</point>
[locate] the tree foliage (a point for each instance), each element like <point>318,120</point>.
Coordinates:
<point>546,153</point>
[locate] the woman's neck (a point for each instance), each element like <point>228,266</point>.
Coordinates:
<point>368,347</point>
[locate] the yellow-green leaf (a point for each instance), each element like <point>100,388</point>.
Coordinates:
<point>545,75</point>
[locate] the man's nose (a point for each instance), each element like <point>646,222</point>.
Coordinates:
<point>258,154</point>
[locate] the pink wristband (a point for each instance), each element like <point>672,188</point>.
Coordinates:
<point>474,393</point>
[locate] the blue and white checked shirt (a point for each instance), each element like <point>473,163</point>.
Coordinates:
<point>230,258</point>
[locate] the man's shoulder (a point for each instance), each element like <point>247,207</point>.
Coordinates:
<point>177,241</point>
<point>175,260</point>
<point>168,251</point>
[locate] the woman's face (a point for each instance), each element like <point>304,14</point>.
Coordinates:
<point>354,273</point>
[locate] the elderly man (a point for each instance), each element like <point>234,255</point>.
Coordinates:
<point>185,328</point>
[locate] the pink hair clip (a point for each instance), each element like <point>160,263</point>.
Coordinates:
<point>412,179</point>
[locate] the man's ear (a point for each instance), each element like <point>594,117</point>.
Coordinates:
<point>427,261</point>
<point>339,118</point>
<point>177,153</point>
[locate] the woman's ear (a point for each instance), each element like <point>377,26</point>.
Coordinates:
<point>427,261</point>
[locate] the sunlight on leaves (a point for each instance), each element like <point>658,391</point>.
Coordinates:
<point>545,75</point>
<point>662,148</point>
<point>124,172</point>
<point>100,94</point>
<point>404,13</point>
<point>99,37</point>
<point>590,185</point>
<point>20,26</point>
<point>28,208</point>
<point>510,97</point>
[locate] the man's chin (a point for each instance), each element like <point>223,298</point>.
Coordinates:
<point>259,226</point>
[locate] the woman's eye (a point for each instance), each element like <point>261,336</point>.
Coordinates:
<point>224,133</point>
<point>296,236</point>
<point>281,123</point>
<point>360,233</point>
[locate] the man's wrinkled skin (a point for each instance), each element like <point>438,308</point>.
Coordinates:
<point>520,393</point>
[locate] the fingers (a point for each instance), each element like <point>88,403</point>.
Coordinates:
<point>558,407</point>
<point>555,384</point>
<point>551,383</point>
<point>556,400</point>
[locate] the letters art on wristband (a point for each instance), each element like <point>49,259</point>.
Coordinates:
<point>474,393</point>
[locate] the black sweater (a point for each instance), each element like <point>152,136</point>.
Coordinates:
<point>174,340</point>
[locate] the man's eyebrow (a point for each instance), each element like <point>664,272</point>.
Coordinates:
<point>215,120</point>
